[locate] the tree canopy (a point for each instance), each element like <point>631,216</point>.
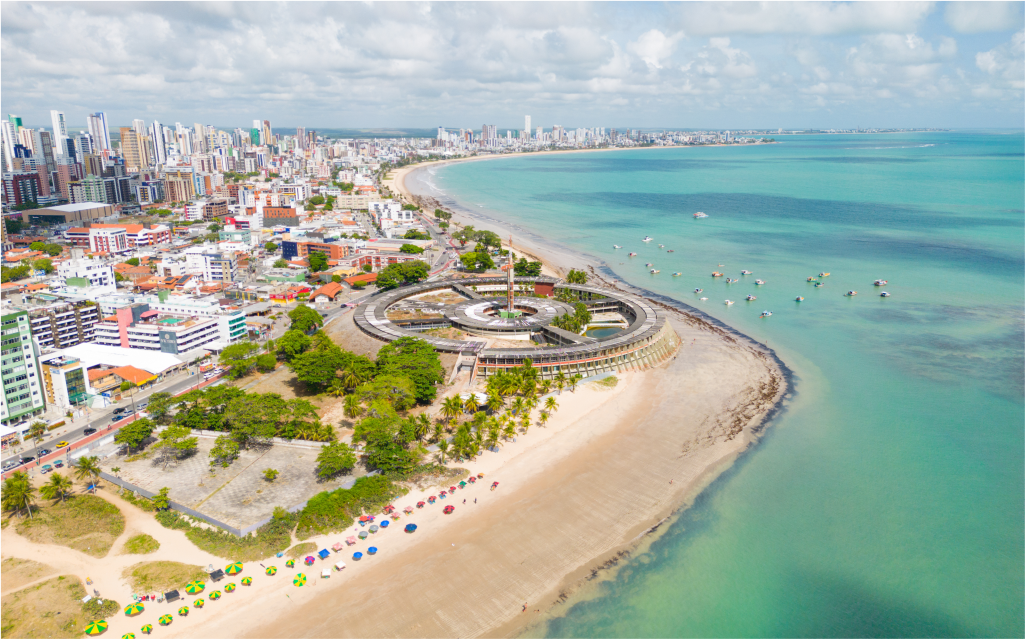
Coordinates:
<point>411,249</point>
<point>524,268</point>
<point>334,459</point>
<point>477,261</point>
<point>413,234</point>
<point>305,318</point>
<point>318,262</point>
<point>395,275</point>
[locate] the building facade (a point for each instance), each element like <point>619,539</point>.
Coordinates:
<point>19,370</point>
<point>64,325</point>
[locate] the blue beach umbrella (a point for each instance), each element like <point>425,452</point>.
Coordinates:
<point>385,523</point>
<point>356,556</point>
<point>410,528</point>
<point>372,550</point>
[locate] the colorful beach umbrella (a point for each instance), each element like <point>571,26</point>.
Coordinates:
<point>215,594</point>
<point>462,484</point>
<point>199,603</point>
<point>194,587</point>
<point>233,568</point>
<point>148,628</point>
<point>133,609</point>
<point>128,635</point>
<point>309,561</point>
<point>299,580</point>
<point>165,620</point>
<point>184,611</point>
<point>229,588</point>
<point>247,581</point>
<point>97,627</point>
<point>290,563</point>
<point>272,570</point>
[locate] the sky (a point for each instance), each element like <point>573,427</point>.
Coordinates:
<point>395,64</point>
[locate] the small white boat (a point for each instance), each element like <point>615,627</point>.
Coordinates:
<point>661,245</point>
<point>616,246</point>
<point>699,290</point>
<point>703,299</point>
<point>654,271</point>
<point>729,302</point>
<point>798,299</point>
<point>699,215</point>
<point>813,279</point>
<point>850,293</point>
<point>880,282</point>
<point>733,281</point>
<point>759,282</point>
<point>632,255</point>
<point>823,274</point>
<point>648,264</point>
<point>884,294</point>
<point>819,284</point>
<point>766,314</point>
<point>745,272</point>
<point>677,274</point>
<point>751,298</point>
<point>648,239</point>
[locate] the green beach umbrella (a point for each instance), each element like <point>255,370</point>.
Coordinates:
<point>165,620</point>
<point>198,603</point>
<point>299,580</point>
<point>289,564</point>
<point>194,587</point>
<point>128,635</point>
<point>97,627</point>
<point>215,594</point>
<point>271,570</point>
<point>133,609</point>
<point>233,569</point>
<point>148,628</point>
<point>184,611</point>
<point>246,581</point>
<point>229,588</point>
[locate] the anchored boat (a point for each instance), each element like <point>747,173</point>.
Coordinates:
<point>700,215</point>
<point>880,283</point>
<point>766,314</point>
<point>799,299</point>
<point>751,298</point>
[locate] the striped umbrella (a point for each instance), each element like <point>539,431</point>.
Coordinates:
<point>229,588</point>
<point>198,603</point>
<point>133,609</point>
<point>148,628</point>
<point>184,611</point>
<point>128,635</point>
<point>165,620</point>
<point>194,587</point>
<point>215,594</point>
<point>299,580</point>
<point>246,581</point>
<point>289,564</point>
<point>271,570</point>
<point>234,568</point>
<point>96,627</point>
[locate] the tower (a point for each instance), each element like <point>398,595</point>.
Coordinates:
<point>509,279</point>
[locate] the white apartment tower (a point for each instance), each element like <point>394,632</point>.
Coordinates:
<point>526,125</point>
<point>60,131</point>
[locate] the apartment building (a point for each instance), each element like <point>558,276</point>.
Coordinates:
<point>137,234</point>
<point>139,326</point>
<point>63,325</point>
<point>22,395</point>
<point>291,250</point>
<point>85,273</point>
<point>108,240</point>
<point>64,381</point>
<point>211,265</point>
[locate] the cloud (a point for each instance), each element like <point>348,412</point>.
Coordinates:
<point>653,47</point>
<point>980,17</point>
<point>1006,62</point>
<point>806,18</point>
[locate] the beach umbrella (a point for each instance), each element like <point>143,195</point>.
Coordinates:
<point>350,540</point>
<point>431,499</point>
<point>337,547</point>
<point>96,627</point>
<point>199,603</point>
<point>289,564</point>
<point>234,568</point>
<point>184,611</point>
<point>472,480</point>
<point>215,594</point>
<point>462,484</point>
<point>229,588</point>
<point>272,570</point>
<point>375,528</point>
<point>363,534</point>
<point>410,528</point>
<point>194,587</point>
<point>299,579</point>
<point>452,489</point>
<point>421,504</point>
<point>246,581</point>
<point>357,556</point>
<point>165,620</point>
<point>133,609</point>
<point>372,550</point>
<point>409,509</point>
<point>148,628</point>
<point>480,475</point>
<point>363,518</point>
<point>448,509</point>
<point>128,635</point>
<point>389,508</point>
<point>384,524</point>
<point>309,561</point>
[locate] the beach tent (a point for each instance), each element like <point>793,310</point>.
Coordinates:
<point>337,547</point>
<point>372,550</point>
<point>325,573</point>
<point>171,595</point>
<point>218,574</point>
<point>340,565</point>
<point>350,540</point>
<point>324,553</point>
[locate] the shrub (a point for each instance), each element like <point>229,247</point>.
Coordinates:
<point>331,511</point>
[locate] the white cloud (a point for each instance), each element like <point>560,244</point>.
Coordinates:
<point>1006,62</point>
<point>654,47</point>
<point>806,18</point>
<point>980,17</point>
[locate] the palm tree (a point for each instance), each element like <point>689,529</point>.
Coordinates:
<point>18,493</point>
<point>350,379</point>
<point>551,405</point>
<point>58,487</point>
<point>518,405</point>
<point>560,381</point>
<point>495,402</point>
<point>422,426</point>
<point>470,405</point>
<point>88,469</point>
<point>573,381</point>
<point>508,431</point>
<point>525,423</point>
<point>546,386</point>
<point>442,449</point>
<point>439,431</point>
<point>352,407</point>
<point>451,407</point>
<point>542,419</point>
<point>337,388</point>
<point>36,432</point>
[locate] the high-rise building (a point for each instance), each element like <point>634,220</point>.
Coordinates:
<point>19,369</point>
<point>266,135</point>
<point>60,131</point>
<point>526,124</point>
<point>10,139</point>
<point>133,150</point>
<point>84,145</point>
<point>97,125</point>
<point>300,138</point>
<point>45,149</point>
<point>255,133</point>
<point>156,137</point>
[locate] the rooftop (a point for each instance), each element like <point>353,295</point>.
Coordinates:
<point>81,206</point>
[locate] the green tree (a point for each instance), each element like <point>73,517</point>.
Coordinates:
<point>489,239</point>
<point>225,450</point>
<point>266,362</point>
<point>415,359</point>
<point>18,493</point>
<point>239,358</point>
<point>36,432</point>
<point>44,265</point>
<point>159,406</point>
<point>316,200</point>
<point>37,246</point>
<point>413,234</point>
<point>13,274</point>
<point>351,407</point>
<point>335,458</point>
<point>397,390</point>
<point>451,408</point>
<point>162,500</point>
<point>442,450</point>
<point>88,470</point>
<point>270,247</point>
<point>336,278</point>
<point>574,380</point>
<point>270,474</point>
<point>305,318</point>
<point>576,277</point>
<point>133,435</point>
<point>58,487</point>
<point>367,268</point>
<point>280,263</point>
<point>53,250</point>
<point>132,261</point>
<point>477,261</point>
<point>176,442</point>
<point>292,344</point>
<point>523,268</point>
<point>411,249</point>
<point>318,262</point>
<point>551,405</point>
<point>395,275</point>
<point>254,417</point>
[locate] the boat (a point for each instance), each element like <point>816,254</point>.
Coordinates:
<point>700,215</point>
<point>699,290</point>
<point>850,293</point>
<point>823,274</point>
<point>729,281</point>
<point>745,272</point>
<point>880,283</point>
<point>751,298</point>
<point>716,274</point>
<point>677,274</point>
<point>654,271</point>
<point>813,279</point>
<point>661,245</point>
<point>616,246</point>
<point>703,299</point>
<point>729,302</point>
<point>632,255</point>
<point>766,314</point>
<point>819,284</point>
<point>759,282</point>
<point>648,264</point>
<point>648,239</point>
<point>884,294</point>
<point>670,251</point>
<point>798,299</point>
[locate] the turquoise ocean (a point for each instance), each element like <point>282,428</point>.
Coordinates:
<point>887,498</point>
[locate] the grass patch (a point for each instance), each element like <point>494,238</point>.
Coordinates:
<point>138,501</point>
<point>137,456</point>
<point>85,523</point>
<point>140,545</point>
<point>161,576</point>
<point>270,539</point>
<point>606,382</point>
<point>299,550</point>
<point>52,608</point>
<point>16,572</point>
<point>332,511</point>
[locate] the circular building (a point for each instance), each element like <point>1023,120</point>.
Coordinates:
<point>496,324</point>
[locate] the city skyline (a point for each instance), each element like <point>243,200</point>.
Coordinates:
<point>686,66</point>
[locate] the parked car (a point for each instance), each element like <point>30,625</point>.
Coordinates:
<point>116,418</point>
<point>27,459</point>
<point>118,411</point>
<point>45,452</point>
<point>9,465</point>
<point>89,431</point>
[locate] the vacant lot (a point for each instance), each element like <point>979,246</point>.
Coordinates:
<point>15,572</point>
<point>53,608</point>
<point>84,522</point>
<point>140,545</point>
<point>160,576</point>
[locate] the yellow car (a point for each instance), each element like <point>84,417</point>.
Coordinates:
<point>61,444</point>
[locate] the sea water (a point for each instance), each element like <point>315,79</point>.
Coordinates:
<point>887,499</point>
